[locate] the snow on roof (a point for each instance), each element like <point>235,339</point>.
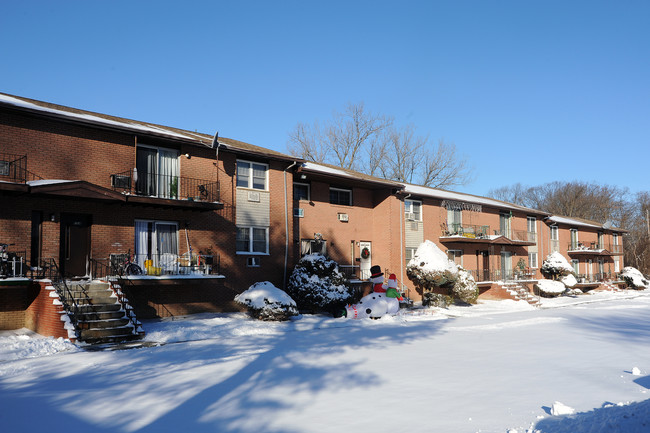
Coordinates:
<point>572,221</point>
<point>458,196</point>
<point>48,182</point>
<point>96,118</point>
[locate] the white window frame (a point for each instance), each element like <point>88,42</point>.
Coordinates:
<point>163,189</point>
<point>532,224</point>
<point>532,260</point>
<point>154,253</point>
<point>554,240</point>
<point>456,253</point>
<point>250,241</point>
<point>349,191</point>
<point>575,264</point>
<point>308,190</point>
<point>409,253</point>
<point>615,239</point>
<point>249,182</point>
<point>409,208</point>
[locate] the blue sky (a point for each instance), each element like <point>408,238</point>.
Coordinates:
<point>528,91</point>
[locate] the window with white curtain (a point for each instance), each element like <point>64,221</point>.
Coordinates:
<point>156,241</point>
<point>251,175</point>
<point>157,172</point>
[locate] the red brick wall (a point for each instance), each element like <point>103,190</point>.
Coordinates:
<point>42,315</point>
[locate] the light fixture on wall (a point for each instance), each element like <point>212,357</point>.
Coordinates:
<point>52,217</point>
<point>188,156</point>
<point>303,176</point>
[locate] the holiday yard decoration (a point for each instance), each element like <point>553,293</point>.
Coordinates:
<point>385,298</point>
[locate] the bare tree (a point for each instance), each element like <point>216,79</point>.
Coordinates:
<point>360,140</point>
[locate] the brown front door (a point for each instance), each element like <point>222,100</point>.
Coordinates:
<point>486,265</point>
<point>75,243</point>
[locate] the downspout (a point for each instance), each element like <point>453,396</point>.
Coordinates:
<point>401,239</point>
<point>286,226</point>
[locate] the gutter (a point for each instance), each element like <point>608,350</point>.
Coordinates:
<point>286,226</point>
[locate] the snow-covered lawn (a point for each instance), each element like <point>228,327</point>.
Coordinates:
<point>500,366</point>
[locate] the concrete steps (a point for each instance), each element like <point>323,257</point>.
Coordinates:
<point>521,293</point>
<point>101,317</point>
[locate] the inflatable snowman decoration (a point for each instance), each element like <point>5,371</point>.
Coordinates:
<point>384,298</point>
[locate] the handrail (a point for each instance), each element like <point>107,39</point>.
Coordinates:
<point>59,283</point>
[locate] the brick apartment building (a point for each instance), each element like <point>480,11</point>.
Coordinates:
<point>81,189</point>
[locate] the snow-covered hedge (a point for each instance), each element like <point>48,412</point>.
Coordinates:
<point>430,269</point>
<point>556,266</point>
<point>569,280</point>
<point>634,278</point>
<point>267,302</point>
<point>316,284</point>
<point>550,288</point>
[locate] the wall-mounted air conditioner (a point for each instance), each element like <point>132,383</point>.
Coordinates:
<point>343,217</point>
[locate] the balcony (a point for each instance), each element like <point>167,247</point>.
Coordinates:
<point>467,233</point>
<point>13,168</point>
<point>142,187</point>
<point>482,276</point>
<point>594,248</point>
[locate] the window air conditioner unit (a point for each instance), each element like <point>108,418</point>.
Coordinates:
<point>253,262</point>
<point>298,213</point>
<point>120,181</point>
<point>343,217</point>
<point>410,216</point>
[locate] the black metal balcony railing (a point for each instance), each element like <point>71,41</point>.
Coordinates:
<point>13,168</point>
<point>165,186</point>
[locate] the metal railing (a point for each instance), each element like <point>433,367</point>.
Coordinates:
<point>597,277</point>
<point>517,235</point>
<point>12,264</point>
<point>466,230</point>
<point>166,186</point>
<point>594,247</point>
<point>354,272</point>
<point>499,275</point>
<point>13,168</point>
<point>156,265</point>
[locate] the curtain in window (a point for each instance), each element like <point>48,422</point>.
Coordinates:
<point>168,177</point>
<point>259,240</point>
<point>243,239</point>
<point>259,176</point>
<point>243,172</point>
<point>142,242</point>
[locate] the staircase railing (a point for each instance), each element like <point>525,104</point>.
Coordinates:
<point>99,269</point>
<point>53,272</point>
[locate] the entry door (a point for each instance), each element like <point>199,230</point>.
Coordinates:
<point>506,265</point>
<point>75,243</point>
<point>486,265</point>
<point>365,254</point>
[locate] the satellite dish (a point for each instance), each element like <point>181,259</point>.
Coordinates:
<point>608,224</point>
<point>215,140</point>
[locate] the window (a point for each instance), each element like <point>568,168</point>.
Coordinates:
<point>413,210</point>
<point>4,168</point>
<point>532,229</point>
<point>555,240</point>
<point>600,245</point>
<point>532,260</point>
<point>576,266</point>
<point>615,238</point>
<point>455,256</point>
<point>454,220</point>
<point>252,240</point>
<point>341,196</point>
<point>157,172</point>
<point>156,241</point>
<point>504,223</point>
<point>409,253</point>
<point>251,175</point>
<point>301,191</point>
<point>574,239</point>
<point>313,246</point>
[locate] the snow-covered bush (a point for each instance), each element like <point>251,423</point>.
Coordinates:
<point>550,288</point>
<point>267,302</point>
<point>316,284</point>
<point>569,280</point>
<point>430,270</point>
<point>634,278</point>
<point>556,266</point>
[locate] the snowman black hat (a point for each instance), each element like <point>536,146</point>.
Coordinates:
<point>375,271</point>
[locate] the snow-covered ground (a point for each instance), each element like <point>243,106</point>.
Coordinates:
<point>500,366</point>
